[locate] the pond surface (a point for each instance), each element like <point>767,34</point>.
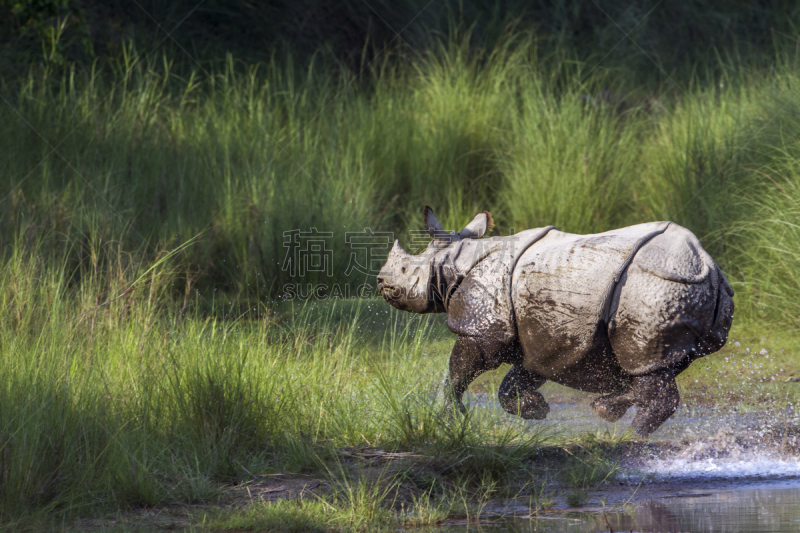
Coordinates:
<point>766,507</point>
<point>715,471</point>
<point>576,417</point>
<point>704,444</point>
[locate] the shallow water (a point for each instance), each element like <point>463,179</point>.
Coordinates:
<point>706,444</point>
<point>699,444</point>
<point>755,508</point>
<point>711,470</point>
<point>578,417</point>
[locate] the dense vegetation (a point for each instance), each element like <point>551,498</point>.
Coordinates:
<point>134,156</point>
<point>148,182</point>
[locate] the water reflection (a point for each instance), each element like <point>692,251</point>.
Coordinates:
<point>768,508</point>
<point>577,417</point>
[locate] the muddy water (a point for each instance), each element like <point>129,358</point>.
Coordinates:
<point>709,471</point>
<point>577,417</point>
<point>703,444</point>
<point>755,508</point>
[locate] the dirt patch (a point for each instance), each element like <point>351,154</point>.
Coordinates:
<point>587,475</point>
<point>273,487</point>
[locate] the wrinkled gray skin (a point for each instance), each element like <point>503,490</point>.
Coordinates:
<point>620,313</point>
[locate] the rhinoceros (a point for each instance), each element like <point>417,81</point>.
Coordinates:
<point>619,313</point>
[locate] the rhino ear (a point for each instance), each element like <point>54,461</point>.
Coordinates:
<point>480,225</point>
<point>432,224</point>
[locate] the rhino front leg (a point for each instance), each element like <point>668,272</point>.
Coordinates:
<point>613,406</point>
<point>657,397</point>
<point>518,396</point>
<point>471,357</point>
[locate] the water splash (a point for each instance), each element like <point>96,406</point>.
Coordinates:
<point>772,452</point>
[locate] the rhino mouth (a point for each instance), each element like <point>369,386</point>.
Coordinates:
<point>391,294</point>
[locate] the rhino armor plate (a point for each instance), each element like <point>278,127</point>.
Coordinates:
<point>619,313</point>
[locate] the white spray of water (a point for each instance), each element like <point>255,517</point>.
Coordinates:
<point>714,468</point>
<point>730,454</point>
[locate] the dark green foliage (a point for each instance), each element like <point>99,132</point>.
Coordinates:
<point>236,160</point>
<point>53,31</point>
<point>662,37</point>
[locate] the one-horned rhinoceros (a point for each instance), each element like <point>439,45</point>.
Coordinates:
<point>619,313</point>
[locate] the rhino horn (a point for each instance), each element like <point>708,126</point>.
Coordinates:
<point>480,225</point>
<point>398,250</point>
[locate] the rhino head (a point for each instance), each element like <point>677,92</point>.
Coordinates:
<point>406,280</point>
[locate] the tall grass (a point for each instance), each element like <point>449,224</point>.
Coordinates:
<point>136,155</point>
<point>139,402</point>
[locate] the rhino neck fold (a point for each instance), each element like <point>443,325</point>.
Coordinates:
<point>530,238</point>
<point>446,276</point>
<point>454,263</point>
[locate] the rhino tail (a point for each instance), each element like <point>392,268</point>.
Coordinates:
<point>716,338</point>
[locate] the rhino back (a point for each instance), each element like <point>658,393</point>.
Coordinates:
<point>672,306</point>
<point>561,289</point>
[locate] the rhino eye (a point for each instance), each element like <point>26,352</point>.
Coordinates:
<point>403,270</point>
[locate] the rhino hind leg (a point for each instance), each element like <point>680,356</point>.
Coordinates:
<point>656,395</point>
<point>518,396</point>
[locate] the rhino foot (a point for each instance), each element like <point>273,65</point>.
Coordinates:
<point>454,410</point>
<point>518,396</point>
<point>530,405</point>
<point>613,407</point>
<point>657,397</point>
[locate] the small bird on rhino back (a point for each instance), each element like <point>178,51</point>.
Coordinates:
<point>619,313</point>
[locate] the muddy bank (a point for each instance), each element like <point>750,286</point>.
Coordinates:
<point>730,466</point>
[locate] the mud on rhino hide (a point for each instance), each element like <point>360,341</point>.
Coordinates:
<point>619,313</point>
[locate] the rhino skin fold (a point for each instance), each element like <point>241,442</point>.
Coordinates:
<point>619,313</point>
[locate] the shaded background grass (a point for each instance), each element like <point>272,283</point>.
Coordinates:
<point>133,156</point>
<point>148,181</point>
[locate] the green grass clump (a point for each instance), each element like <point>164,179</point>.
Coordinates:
<point>295,516</point>
<point>141,402</point>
